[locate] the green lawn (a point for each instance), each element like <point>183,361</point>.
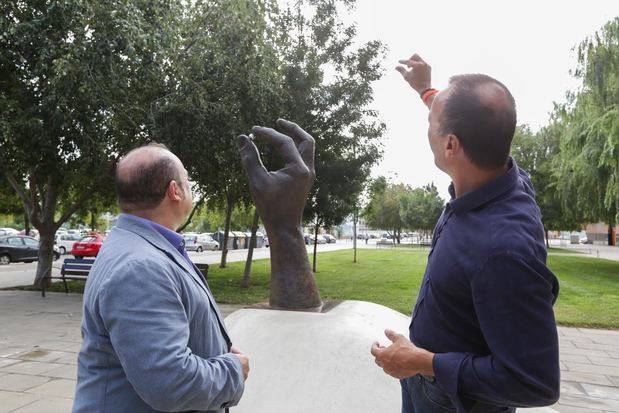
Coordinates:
<point>589,293</point>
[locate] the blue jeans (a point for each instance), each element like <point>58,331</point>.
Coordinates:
<point>422,394</point>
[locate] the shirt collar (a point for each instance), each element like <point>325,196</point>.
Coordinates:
<point>485,193</point>
<point>172,237</point>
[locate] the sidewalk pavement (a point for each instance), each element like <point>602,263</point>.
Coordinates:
<point>607,252</point>
<point>40,339</point>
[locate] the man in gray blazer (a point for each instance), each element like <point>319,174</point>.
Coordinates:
<point>154,339</point>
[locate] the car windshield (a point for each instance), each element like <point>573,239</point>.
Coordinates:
<point>89,239</point>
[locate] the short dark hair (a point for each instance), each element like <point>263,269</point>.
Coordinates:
<point>145,186</point>
<point>485,129</point>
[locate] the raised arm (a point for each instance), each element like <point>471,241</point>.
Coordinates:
<point>280,197</point>
<point>418,74</point>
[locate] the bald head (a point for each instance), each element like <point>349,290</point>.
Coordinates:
<point>481,112</point>
<point>143,176</point>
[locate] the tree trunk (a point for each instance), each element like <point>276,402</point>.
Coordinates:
<point>224,248</point>
<point>354,239</point>
<point>250,251</point>
<point>610,235</point>
<point>46,256</point>
<point>547,243</point>
<point>315,246</point>
<point>93,221</point>
<point>26,224</point>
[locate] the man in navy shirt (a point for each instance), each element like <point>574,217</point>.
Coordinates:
<point>483,336</point>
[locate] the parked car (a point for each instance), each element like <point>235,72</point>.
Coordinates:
<point>309,239</point>
<point>207,242</point>
<point>199,243</point>
<point>88,246</point>
<point>330,238</point>
<point>8,231</point>
<point>65,242</point>
<point>16,248</point>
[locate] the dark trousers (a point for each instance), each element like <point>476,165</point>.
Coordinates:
<point>423,395</point>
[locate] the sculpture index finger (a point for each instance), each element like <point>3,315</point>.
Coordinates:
<point>250,158</point>
<point>304,141</point>
<point>283,144</point>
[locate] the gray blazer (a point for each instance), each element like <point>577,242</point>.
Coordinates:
<point>154,339</point>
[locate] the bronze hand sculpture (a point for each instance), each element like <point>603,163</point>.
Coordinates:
<point>280,197</point>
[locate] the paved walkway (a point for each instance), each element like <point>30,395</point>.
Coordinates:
<point>590,250</point>
<point>40,338</point>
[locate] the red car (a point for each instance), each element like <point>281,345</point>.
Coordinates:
<point>88,246</point>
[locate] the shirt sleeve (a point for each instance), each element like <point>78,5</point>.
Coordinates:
<point>144,315</point>
<point>513,298</point>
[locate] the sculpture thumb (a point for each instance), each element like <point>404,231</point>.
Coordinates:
<point>250,158</point>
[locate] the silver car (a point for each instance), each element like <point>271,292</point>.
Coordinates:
<point>199,243</point>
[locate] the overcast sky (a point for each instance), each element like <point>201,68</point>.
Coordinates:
<point>524,44</point>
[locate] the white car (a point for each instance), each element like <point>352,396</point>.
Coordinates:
<point>330,238</point>
<point>207,242</point>
<point>199,243</point>
<point>65,242</point>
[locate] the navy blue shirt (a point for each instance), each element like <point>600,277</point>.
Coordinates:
<point>485,303</point>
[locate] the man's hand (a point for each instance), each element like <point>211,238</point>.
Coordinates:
<point>243,359</point>
<point>402,359</point>
<point>419,76</point>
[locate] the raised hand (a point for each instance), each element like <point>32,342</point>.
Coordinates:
<point>418,75</point>
<point>280,197</point>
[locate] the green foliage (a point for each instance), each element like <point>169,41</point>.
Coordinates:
<point>226,80</point>
<point>398,206</point>
<point>421,208</point>
<point>327,89</point>
<point>538,154</point>
<point>213,219</point>
<point>588,170</point>
<point>76,83</point>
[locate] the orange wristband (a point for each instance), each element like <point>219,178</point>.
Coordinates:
<point>426,95</point>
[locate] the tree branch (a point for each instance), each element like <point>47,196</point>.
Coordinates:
<point>26,198</point>
<point>73,208</point>
<point>193,211</point>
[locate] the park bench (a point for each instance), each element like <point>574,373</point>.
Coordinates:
<point>78,269</point>
<point>72,269</point>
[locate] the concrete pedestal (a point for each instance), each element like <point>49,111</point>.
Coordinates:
<point>318,362</point>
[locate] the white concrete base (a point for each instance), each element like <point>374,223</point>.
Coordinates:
<point>318,362</point>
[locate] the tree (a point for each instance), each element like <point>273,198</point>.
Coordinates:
<point>538,154</point>
<point>226,81</point>
<point>76,82</point>
<point>420,208</point>
<point>588,167</point>
<point>384,207</point>
<point>334,109</point>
